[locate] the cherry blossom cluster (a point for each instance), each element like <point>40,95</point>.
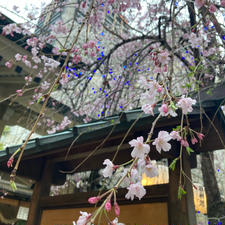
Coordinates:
<point>61,126</point>
<point>161,60</point>
<point>212,8</point>
<point>141,163</point>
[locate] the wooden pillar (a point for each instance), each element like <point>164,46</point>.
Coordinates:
<point>41,189</point>
<point>181,212</point>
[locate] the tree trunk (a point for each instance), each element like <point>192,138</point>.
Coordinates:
<point>215,206</point>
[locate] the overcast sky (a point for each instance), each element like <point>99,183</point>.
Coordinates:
<point>22,4</point>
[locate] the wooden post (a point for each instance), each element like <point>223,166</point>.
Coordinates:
<point>41,189</point>
<point>181,212</point>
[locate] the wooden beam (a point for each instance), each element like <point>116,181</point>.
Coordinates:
<point>85,154</point>
<point>41,188</point>
<point>14,202</point>
<point>58,154</point>
<point>154,193</point>
<point>181,211</point>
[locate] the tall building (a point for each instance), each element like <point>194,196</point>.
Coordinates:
<point>71,15</point>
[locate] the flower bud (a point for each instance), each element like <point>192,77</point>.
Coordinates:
<point>108,206</point>
<point>115,167</point>
<point>184,143</point>
<point>117,209</point>
<point>194,140</point>
<point>200,136</point>
<point>159,90</point>
<point>222,3</point>
<point>93,200</point>
<point>212,8</point>
<point>19,92</point>
<point>165,108</point>
<point>10,161</point>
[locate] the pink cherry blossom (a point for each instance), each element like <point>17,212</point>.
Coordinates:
<point>9,64</point>
<point>164,68</point>
<point>165,110</point>
<point>77,59</point>
<point>28,79</point>
<point>84,4</point>
<point>135,176</point>
<point>212,8</point>
<point>24,58</point>
<point>19,92</point>
<point>65,79</point>
<point>199,3</point>
<point>85,46</point>
<point>110,2</point>
<point>82,220</point>
<point>59,27</point>
<point>91,44</point>
<point>10,29</point>
<point>41,45</point>
<point>151,169</point>
<point>222,3</point>
<point>65,122</point>
<point>148,109</point>
<point>194,40</point>
<point>52,131</point>
<point>108,171</point>
<point>27,63</point>
<point>148,98</point>
<point>161,142</point>
<point>92,54</point>
<point>36,59</point>
<point>163,57</point>
<point>141,164</point>
<point>135,190</point>
<point>186,104</point>
<point>175,135</point>
<point>55,51</point>
<point>18,57</point>
<point>32,42</point>
<point>140,149</point>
